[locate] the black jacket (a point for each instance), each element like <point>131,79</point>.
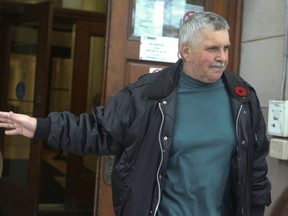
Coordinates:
<point>137,126</point>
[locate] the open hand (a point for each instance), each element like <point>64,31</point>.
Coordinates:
<point>18,124</point>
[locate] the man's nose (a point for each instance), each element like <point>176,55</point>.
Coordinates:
<point>222,55</point>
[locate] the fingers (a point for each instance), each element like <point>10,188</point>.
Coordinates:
<point>11,132</point>
<point>7,122</point>
<point>4,117</point>
<point>7,125</point>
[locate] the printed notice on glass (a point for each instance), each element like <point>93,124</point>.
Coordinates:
<point>148,17</point>
<point>157,48</point>
<point>161,17</point>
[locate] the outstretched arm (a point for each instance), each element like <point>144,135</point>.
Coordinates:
<point>18,124</point>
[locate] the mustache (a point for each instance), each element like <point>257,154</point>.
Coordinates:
<point>218,64</point>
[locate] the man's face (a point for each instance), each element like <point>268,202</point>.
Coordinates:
<point>207,61</point>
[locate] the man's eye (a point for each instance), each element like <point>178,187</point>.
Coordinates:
<point>226,48</point>
<point>213,48</point>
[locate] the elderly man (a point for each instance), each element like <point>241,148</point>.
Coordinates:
<point>189,140</point>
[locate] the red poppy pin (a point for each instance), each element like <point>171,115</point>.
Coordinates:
<point>240,91</point>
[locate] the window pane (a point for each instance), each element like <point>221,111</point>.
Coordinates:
<point>162,17</point>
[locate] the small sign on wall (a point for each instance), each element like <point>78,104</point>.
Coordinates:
<point>157,48</point>
<point>154,69</point>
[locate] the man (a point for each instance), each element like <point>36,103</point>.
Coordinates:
<point>189,140</point>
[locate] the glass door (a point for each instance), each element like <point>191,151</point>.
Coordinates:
<point>76,69</point>
<point>87,84</point>
<point>25,35</point>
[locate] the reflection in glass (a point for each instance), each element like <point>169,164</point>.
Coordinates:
<point>95,80</point>
<point>20,97</point>
<point>162,17</point>
<point>60,93</point>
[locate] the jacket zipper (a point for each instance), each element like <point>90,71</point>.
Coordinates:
<point>161,160</point>
<point>237,135</point>
<point>237,121</point>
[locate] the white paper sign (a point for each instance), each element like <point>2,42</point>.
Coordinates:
<point>149,17</point>
<point>157,48</point>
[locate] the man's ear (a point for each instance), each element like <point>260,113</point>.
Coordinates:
<point>185,50</point>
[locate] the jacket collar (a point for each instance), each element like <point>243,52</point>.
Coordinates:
<point>167,80</point>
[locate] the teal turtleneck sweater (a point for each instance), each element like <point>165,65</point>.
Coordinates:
<point>197,181</point>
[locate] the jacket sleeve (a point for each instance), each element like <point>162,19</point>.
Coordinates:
<point>102,132</point>
<point>261,187</point>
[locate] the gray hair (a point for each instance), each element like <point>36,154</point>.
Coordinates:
<point>190,31</point>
